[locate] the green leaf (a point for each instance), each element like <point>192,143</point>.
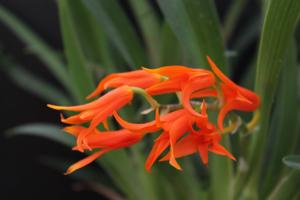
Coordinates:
<point>118,28</point>
<point>123,175</point>
<point>149,25</point>
<point>280,20</point>
<point>91,37</point>
<point>170,53</point>
<point>178,19</point>
<point>77,65</point>
<point>196,26</point>
<point>279,23</point>
<point>45,130</point>
<point>38,47</point>
<point>36,85</point>
<point>287,188</point>
<point>292,161</point>
<point>284,122</point>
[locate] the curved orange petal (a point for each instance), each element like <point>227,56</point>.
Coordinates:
<point>113,139</point>
<point>123,92</point>
<point>195,83</point>
<point>168,86</point>
<point>184,147</point>
<point>73,130</point>
<point>169,117</point>
<point>220,74</point>
<point>124,78</point>
<point>219,149</point>
<point>85,161</point>
<point>204,93</point>
<point>75,119</point>
<point>251,96</point>
<point>178,129</point>
<point>171,71</point>
<point>203,153</point>
<point>223,112</point>
<point>148,127</point>
<point>100,87</point>
<point>158,148</point>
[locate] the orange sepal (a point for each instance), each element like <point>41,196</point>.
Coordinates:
<point>184,147</point>
<point>123,92</point>
<point>85,161</point>
<point>219,149</point>
<point>145,127</point>
<point>158,148</point>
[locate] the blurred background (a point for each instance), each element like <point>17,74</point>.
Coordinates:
<point>24,171</point>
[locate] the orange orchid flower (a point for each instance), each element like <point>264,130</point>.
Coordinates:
<point>174,125</point>
<point>97,111</point>
<point>178,76</point>
<point>106,141</point>
<point>235,97</point>
<point>183,131</point>
<point>196,83</point>
<point>202,142</point>
<point>138,78</point>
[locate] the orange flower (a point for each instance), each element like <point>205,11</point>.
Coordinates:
<point>178,76</point>
<point>138,78</point>
<point>197,83</point>
<point>175,125</point>
<point>145,127</point>
<point>235,97</point>
<point>97,111</point>
<point>183,131</point>
<point>106,141</point>
<point>205,139</point>
<point>202,142</point>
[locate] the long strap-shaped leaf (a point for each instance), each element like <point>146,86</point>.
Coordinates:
<point>36,45</point>
<point>287,188</point>
<point>197,29</point>
<point>76,62</point>
<point>285,123</point>
<point>149,25</point>
<point>91,37</point>
<point>280,20</point>
<point>196,26</point>
<point>115,23</point>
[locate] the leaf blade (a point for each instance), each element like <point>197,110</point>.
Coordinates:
<point>38,47</point>
<point>115,23</point>
<point>45,130</point>
<point>81,76</point>
<point>292,161</point>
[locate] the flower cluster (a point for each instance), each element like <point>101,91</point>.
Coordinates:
<point>182,131</point>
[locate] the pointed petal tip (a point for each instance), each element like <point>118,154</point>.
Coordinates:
<point>165,158</point>
<point>67,173</point>
<point>149,170</point>
<point>175,164</point>
<point>55,107</point>
<point>231,157</point>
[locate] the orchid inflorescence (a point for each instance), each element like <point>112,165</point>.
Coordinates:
<point>183,130</point>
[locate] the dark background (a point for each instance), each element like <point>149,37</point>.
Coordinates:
<point>22,174</point>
